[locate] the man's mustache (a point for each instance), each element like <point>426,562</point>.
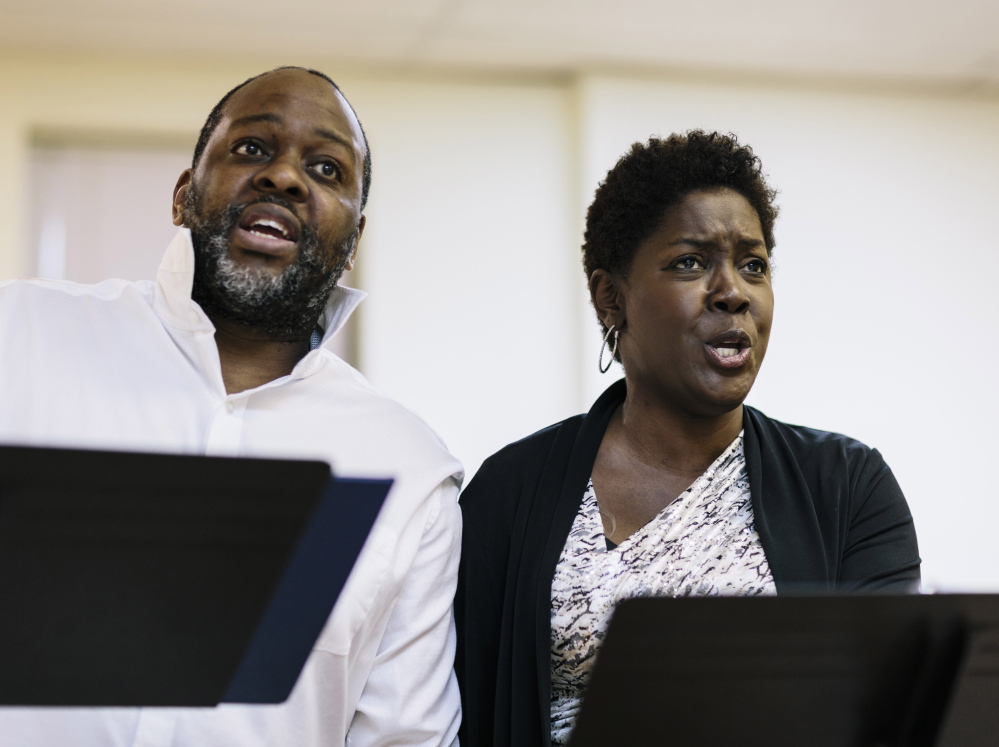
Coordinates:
<point>270,200</point>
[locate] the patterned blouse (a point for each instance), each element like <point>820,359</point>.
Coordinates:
<point>703,543</point>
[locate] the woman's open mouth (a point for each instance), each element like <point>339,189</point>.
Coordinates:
<point>730,349</point>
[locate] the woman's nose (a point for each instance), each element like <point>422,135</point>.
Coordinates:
<point>728,293</point>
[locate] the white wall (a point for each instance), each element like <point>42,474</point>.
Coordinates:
<point>887,255</point>
<point>468,257</point>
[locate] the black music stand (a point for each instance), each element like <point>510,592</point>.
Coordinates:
<point>831,671</point>
<point>132,579</point>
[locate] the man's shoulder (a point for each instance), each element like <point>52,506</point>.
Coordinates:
<point>68,316</point>
<point>40,290</point>
<point>383,422</point>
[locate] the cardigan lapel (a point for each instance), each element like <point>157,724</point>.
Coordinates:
<point>561,491</point>
<point>784,517</point>
<point>783,510</point>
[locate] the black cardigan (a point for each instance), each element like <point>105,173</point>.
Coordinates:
<point>829,513</point>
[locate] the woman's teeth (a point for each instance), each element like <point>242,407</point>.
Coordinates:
<point>727,352</point>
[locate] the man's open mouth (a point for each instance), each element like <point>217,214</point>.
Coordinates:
<point>268,227</point>
<point>271,223</point>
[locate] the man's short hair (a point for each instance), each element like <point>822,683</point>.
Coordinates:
<point>215,117</point>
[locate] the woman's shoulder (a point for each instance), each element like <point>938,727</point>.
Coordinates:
<point>506,473</point>
<point>525,450</point>
<point>829,509</point>
<point>832,464</point>
<point>808,444</point>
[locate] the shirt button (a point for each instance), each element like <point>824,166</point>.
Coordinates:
<point>229,405</point>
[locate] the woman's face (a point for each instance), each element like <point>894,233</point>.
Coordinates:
<point>697,304</point>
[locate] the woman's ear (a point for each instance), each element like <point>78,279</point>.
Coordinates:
<point>607,294</point>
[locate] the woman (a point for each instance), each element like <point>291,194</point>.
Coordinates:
<point>669,485</point>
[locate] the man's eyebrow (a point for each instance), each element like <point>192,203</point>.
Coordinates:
<point>276,119</point>
<point>254,118</point>
<point>330,135</point>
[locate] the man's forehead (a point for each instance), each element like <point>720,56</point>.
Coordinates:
<point>281,85</point>
<point>278,92</point>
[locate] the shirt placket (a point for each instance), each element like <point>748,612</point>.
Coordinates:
<point>155,727</point>
<point>225,433</point>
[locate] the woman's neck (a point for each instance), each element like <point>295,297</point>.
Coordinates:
<point>661,434</point>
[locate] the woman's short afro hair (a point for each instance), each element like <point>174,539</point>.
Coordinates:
<point>630,203</point>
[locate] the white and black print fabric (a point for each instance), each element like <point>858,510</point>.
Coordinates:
<point>704,543</point>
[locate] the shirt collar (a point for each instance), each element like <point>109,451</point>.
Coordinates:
<point>175,279</point>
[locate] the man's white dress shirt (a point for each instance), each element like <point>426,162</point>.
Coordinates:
<point>134,366</point>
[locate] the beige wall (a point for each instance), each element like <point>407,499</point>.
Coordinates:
<point>477,317</point>
<point>83,99</point>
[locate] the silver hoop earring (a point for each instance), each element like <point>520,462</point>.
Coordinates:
<point>613,352</point>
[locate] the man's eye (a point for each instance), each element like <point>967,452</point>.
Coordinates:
<point>757,266</point>
<point>326,168</point>
<point>248,149</point>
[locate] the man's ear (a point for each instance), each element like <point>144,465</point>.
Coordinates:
<point>180,196</point>
<point>357,241</point>
<point>607,294</point>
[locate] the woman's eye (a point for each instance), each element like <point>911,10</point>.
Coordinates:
<point>248,149</point>
<point>687,263</point>
<point>757,266</point>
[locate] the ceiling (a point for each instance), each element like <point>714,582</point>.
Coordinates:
<point>954,42</point>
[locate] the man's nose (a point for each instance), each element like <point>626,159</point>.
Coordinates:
<point>728,293</point>
<point>282,176</point>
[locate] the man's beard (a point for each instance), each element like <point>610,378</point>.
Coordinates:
<point>283,306</point>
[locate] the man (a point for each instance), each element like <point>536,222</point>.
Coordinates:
<point>225,353</point>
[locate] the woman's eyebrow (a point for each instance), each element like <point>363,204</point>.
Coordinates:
<point>710,243</point>
<point>697,243</point>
